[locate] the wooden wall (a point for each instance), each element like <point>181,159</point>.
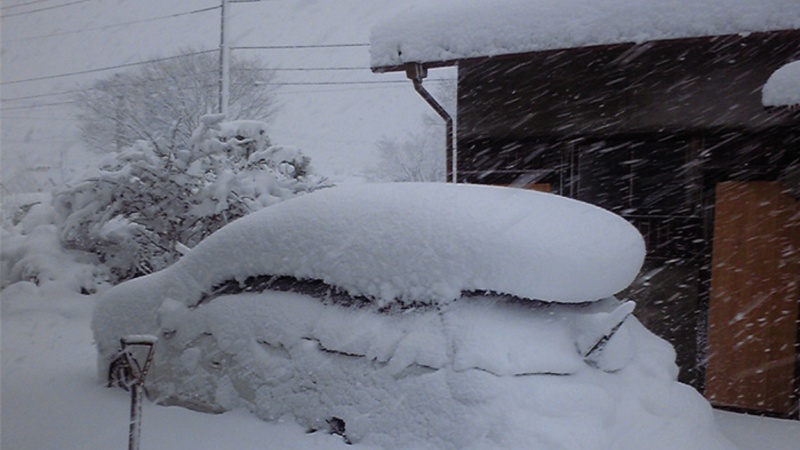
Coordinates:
<point>691,84</point>
<point>755,289</point>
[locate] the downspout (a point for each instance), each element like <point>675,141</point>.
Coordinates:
<point>416,73</point>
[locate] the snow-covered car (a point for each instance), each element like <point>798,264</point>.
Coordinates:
<point>416,316</point>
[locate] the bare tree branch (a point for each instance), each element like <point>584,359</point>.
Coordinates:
<point>162,102</point>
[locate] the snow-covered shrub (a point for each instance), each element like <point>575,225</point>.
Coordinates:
<point>145,205</point>
<point>31,252</point>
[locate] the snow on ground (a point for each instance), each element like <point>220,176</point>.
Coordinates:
<point>758,433</point>
<point>51,399</point>
<point>783,86</point>
<point>488,28</point>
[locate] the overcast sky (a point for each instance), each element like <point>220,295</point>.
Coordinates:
<point>52,47</point>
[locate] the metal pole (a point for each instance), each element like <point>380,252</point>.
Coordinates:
<point>137,375</point>
<point>135,430</point>
<point>416,73</point>
<point>451,169</point>
<point>224,59</point>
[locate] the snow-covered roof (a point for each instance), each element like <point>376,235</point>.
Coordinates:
<point>783,87</point>
<point>454,30</point>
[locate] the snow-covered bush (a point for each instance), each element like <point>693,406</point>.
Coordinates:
<point>145,205</point>
<point>31,252</point>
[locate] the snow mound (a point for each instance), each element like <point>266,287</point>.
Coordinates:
<point>783,86</point>
<point>426,243</point>
<point>477,28</point>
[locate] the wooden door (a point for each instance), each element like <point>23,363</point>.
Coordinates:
<point>753,310</point>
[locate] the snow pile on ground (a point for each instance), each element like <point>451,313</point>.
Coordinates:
<point>783,86</point>
<point>51,398</point>
<point>476,28</point>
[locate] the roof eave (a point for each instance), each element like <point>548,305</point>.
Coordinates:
<point>455,62</point>
<point>426,65</point>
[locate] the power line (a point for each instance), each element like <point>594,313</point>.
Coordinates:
<point>288,83</point>
<point>4,16</point>
<point>41,105</point>
<point>127,83</point>
<point>115,25</point>
<point>23,4</point>
<point>51,94</point>
<point>102,69</point>
<point>43,119</point>
<point>287,47</point>
<point>322,83</point>
<point>53,140</point>
<point>346,89</point>
<point>340,83</point>
<point>306,69</point>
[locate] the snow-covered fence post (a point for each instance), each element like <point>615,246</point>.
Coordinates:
<point>137,375</point>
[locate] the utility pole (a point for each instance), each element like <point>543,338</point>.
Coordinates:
<point>224,59</point>
<point>225,54</point>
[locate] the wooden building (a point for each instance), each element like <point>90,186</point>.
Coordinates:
<point>672,135</point>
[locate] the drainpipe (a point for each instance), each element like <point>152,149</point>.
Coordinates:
<point>416,73</point>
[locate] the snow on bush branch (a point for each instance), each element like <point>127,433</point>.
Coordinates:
<point>145,205</point>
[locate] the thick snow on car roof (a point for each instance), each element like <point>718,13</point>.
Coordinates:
<point>426,243</point>
<point>475,28</point>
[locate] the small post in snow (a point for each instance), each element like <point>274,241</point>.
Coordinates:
<point>136,374</point>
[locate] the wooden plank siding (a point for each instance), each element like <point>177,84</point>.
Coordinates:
<point>655,131</point>
<point>653,87</point>
<point>753,308</point>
